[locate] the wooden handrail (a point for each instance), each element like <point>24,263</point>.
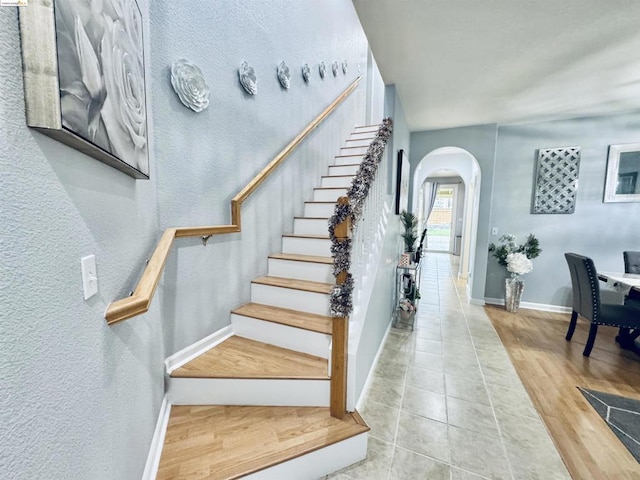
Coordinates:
<point>139,302</point>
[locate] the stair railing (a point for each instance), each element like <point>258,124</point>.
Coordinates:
<point>353,232</point>
<point>140,300</point>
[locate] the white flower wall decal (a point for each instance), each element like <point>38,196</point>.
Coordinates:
<point>284,75</point>
<point>248,78</point>
<point>189,84</point>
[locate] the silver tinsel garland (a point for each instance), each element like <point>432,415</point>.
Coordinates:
<point>341,295</point>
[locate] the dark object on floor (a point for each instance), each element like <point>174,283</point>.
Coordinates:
<point>621,414</point>
<point>586,302</point>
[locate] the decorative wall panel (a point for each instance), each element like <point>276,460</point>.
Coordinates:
<point>556,180</point>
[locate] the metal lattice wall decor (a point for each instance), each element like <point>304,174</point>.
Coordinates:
<point>556,180</point>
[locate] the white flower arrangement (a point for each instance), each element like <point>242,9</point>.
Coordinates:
<point>518,263</point>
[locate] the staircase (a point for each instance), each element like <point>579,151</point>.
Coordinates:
<point>252,400</point>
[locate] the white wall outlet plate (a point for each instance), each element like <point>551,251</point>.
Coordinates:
<point>89,276</point>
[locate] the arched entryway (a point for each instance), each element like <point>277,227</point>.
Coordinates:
<point>451,161</point>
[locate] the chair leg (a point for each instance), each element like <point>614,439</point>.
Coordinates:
<point>591,340</point>
<point>572,325</point>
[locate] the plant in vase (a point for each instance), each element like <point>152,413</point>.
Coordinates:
<point>517,259</point>
<point>410,235</point>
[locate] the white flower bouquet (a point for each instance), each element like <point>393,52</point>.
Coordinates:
<point>518,263</point>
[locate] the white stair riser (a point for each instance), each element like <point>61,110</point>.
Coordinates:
<point>248,391</point>
<point>314,272</point>
<point>319,463</point>
<point>363,142</point>
<point>285,336</point>
<point>319,209</point>
<point>336,182</point>
<point>343,169</point>
<point>309,302</point>
<point>360,135</point>
<point>328,195</point>
<point>350,160</point>
<point>367,128</point>
<point>307,246</point>
<point>353,151</point>
<point>311,226</point>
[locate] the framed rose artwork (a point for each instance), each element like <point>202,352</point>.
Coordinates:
<point>84,78</point>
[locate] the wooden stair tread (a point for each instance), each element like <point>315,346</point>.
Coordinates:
<point>359,155</point>
<point>295,284</point>
<point>331,188</point>
<point>311,218</point>
<point>297,257</point>
<point>339,176</point>
<point>228,442</point>
<point>360,139</point>
<point>304,235</point>
<point>285,316</point>
<point>239,357</point>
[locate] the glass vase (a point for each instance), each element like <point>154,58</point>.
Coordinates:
<point>513,288</point>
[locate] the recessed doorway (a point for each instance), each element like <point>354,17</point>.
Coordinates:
<point>440,226</point>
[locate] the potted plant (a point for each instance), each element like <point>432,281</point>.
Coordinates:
<point>410,235</point>
<point>517,259</point>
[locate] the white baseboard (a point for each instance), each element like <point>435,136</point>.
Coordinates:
<point>196,349</point>
<point>157,442</point>
<point>532,306</point>
<point>478,301</point>
<point>369,380</point>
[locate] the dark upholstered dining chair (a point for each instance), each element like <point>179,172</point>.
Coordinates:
<point>586,302</point>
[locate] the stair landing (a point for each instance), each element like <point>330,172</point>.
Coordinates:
<point>239,357</point>
<point>228,442</point>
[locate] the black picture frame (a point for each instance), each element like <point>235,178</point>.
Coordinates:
<point>402,182</point>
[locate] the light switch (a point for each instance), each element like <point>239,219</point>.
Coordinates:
<point>89,276</point>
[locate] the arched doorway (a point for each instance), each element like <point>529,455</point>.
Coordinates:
<point>451,161</point>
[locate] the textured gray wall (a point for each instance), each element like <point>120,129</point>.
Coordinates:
<point>480,142</point>
<point>382,304</point>
<point>79,399</point>
<point>596,229</point>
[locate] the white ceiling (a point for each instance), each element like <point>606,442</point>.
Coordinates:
<point>469,62</point>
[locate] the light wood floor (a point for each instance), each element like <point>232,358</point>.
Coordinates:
<point>239,357</point>
<point>551,368</point>
<point>227,442</point>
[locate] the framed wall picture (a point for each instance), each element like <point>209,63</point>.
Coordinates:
<point>623,166</point>
<point>84,78</point>
<point>402,182</point>
<point>556,182</point>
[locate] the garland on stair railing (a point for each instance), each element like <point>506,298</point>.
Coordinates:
<point>341,302</point>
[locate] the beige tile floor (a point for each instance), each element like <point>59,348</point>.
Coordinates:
<point>445,401</point>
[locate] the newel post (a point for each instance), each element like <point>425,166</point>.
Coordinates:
<point>340,334</point>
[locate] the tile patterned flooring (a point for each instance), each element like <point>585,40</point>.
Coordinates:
<point>445,401</point>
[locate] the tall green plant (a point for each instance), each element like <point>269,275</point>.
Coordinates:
<point>410,235</point>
